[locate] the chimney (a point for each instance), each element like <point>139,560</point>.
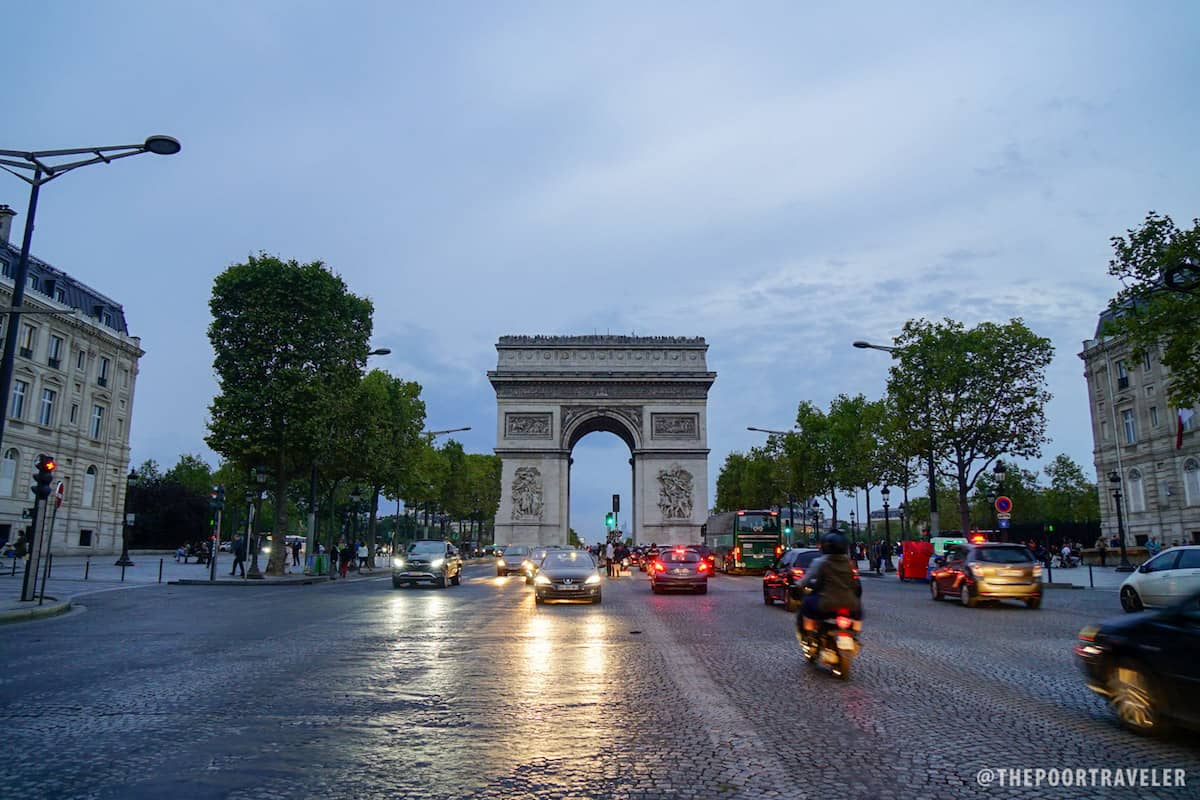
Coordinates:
<point>6,215</point>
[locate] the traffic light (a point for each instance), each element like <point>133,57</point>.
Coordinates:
<point>217,498</point>
<point>787,530</point>
<point>43,476</point>
<point>1050,527</point>
<point>610,520</point>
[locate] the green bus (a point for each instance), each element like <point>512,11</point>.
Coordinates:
<point>744,541</point>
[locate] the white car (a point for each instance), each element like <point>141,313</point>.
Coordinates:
<point>1166,579</point>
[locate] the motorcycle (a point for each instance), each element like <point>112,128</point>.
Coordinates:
<point>834,643</point>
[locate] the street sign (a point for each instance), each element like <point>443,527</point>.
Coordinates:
<point>1003,523</point>
<point>1004,516</point>
<point>1003,505</point>
<point>60,491</point>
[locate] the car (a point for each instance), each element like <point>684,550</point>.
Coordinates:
<point>567,575</point>
<point>512,559</point>
<point>1147,666</point>
<point>707,554</point>
<point>432,561</point>
<point>988,571</point>
<point>787,574</point>
<point>679,568</point>
<point>530,564</point>
<point>1164,580</point>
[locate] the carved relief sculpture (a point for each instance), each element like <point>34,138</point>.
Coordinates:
<point>676,426</point>
<point>675,493</point>
<point>527,493</point>
<point>527,426</point>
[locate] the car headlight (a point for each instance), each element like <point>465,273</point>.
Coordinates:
<point>437,563</point>
<point>499,562</point>
<point>593,579</point>
<point>397,562</point>
<point>542,579</point>
<point>527,564</point>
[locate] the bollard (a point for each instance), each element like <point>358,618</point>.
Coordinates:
<point>1049,573</point>
<point>160,570</point>
<point>87,566</point>
<point>1091,580</point>
<point>122,573</point>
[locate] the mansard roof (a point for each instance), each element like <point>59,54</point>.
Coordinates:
<point>76,294</point>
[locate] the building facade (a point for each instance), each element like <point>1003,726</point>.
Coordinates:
<point>72,398</point>
<point>1135,435</point>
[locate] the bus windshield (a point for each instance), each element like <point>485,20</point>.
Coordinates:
<point>752,522</point>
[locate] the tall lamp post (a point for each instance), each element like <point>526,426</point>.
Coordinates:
<point>903,509</point>
<point>888,566</point>
<point>1114,480</point>
<point>934,529</point>
<point>43,171</point>
<point>816,520</point>
<point>124,560</point>
<point>259,474</point>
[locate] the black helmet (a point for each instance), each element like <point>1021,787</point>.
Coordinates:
<point>834,544</point>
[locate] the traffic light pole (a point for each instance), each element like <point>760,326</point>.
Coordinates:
<point>41,491</point>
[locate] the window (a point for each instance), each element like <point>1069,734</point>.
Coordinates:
<point>74,413</point>
<point>1153,416</point>
<point>102,374</point>
<point>85,537</point>
<point>7,270</point>
<point>1137,495</point>
<point>28,340</point>
<point>1122,376</point>
<point>1189,559</point>
<point>1146,360</point>
<point>107,319</point>
<point>1105,433</point>
<point>46,414</point>
<point>1189,419</point>
<point>1161,563</point>
<point>97,421</point>
<point>8,471</point>
<point>124,374</point>
<point>1130,425</point>
<point>1191,482</point>
<point>32,282</point>
<point>1150,390</point>
<point>89,487</point>
<point>81,360</point>
<point>17,404</point>
<point>54,354</point>
<point>60,294</point>
<point>120,427</point>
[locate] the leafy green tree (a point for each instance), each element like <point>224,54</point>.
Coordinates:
<point>1071,497</point>
<point>289,341</point>
<point>981,393</point>
<point>813,445</point>
<point>192,472</point>
<point>1151,315</point>
<point>483,488</point>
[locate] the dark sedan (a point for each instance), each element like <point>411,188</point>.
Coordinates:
<point>783,579</point>
<point>679,568</point>
<point>1147,666</point>
<point>567,575</point>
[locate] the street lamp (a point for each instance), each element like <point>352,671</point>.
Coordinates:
<point>853,533</point>
<point>999,470</point>
<point>124,560</point>
<point>903,509</point>
<point>1114,480</point>
<point>37,162</point>
<point>934,529</point>
<point>259,474</point>
<point>816,520</point>
<point>991,501</point>
<point>887,532</point>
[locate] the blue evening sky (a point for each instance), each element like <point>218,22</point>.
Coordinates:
<point>781,178</point>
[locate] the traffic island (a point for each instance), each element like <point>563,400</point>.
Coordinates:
<point>290,580</point>
<point>24,610</point>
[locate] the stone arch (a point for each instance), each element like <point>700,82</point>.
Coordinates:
<point>650,391</point>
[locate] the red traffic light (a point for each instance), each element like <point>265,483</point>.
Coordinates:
<point>46,464</point>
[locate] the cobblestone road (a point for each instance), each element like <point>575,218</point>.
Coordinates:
<point>358,690</point>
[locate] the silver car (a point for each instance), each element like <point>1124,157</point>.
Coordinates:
<point>513,560</point>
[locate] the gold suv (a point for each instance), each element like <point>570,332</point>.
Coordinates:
<point>988,571</point>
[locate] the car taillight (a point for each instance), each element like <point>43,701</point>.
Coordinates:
<point>703,567</point>
<point>797,572</point>
<point>843,623</point>
<point>658,566</point>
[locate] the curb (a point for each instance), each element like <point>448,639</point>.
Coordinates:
<point>302,580</point>
<point>35,612</point>
<point>1062,586</point>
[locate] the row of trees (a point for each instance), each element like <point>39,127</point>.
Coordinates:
<point>972,395</point>
<point>290,346</point>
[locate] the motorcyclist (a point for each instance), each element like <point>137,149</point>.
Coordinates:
<point>833,585</point>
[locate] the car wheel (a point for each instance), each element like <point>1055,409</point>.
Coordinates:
<point>935,591</point>
<point>445,582</point>
<point>1130,601</point>
<point>500,573</point>
<point>767,599</point>
<point>596,599</point>
<point>654,588</point>
<point>538,599</point>
<point>397,583</point>
<point>528,581</point>
<point>1033,602</point>
<point>457,579</point>
<point>703,589</point>
<point>964,595</point>
<point>1132,698</point>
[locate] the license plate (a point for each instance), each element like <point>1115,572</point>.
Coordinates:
<point>568,588</point>
<point>679,572</point>
<point>1013,573</point>
<point>845,643</point>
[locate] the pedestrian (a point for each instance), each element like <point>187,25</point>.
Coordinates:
<point>362,555</point>
<point>21,549</point>
<point>609,553</point>
<point>344,558</point>
<point>296,553</point>
<point>1101,550</point>
<point>239,555</point>
<point>1153,547</point>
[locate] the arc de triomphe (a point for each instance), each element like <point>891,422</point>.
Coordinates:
<point>652,391</point>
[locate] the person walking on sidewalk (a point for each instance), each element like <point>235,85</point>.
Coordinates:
<point>296,553</point>
<point>344,558</point>
<point>609,553</point>
<point>1101,550</point>
<point>239,555</point>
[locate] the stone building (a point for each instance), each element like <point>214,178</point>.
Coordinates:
<point>1135,433</point>
<point>72,398</point>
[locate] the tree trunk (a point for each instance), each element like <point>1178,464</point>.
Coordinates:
<point>964,506</point>
<point>371,527</point>
<point>277,560</point>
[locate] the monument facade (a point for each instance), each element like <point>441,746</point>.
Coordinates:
<point>651,391</point>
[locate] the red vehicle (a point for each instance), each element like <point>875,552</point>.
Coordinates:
<point>914,561</point>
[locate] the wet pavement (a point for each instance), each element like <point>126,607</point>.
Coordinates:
<point>355,689</point>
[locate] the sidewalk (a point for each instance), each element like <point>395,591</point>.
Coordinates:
<point>71,576</point>
<point>1075,578</point>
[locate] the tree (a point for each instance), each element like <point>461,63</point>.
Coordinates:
<point>980,393</point>
<point>1148,312</point>
<point>192,472</point>
<point>289,341</point>
<point>813,448</point>
<point>1071,497</point>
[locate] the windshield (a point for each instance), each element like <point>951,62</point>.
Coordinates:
<point>516,550</point>
<point>427,547</point>
<point>752,523</point>
<point>561,558</point>
<point>1005,555</point>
